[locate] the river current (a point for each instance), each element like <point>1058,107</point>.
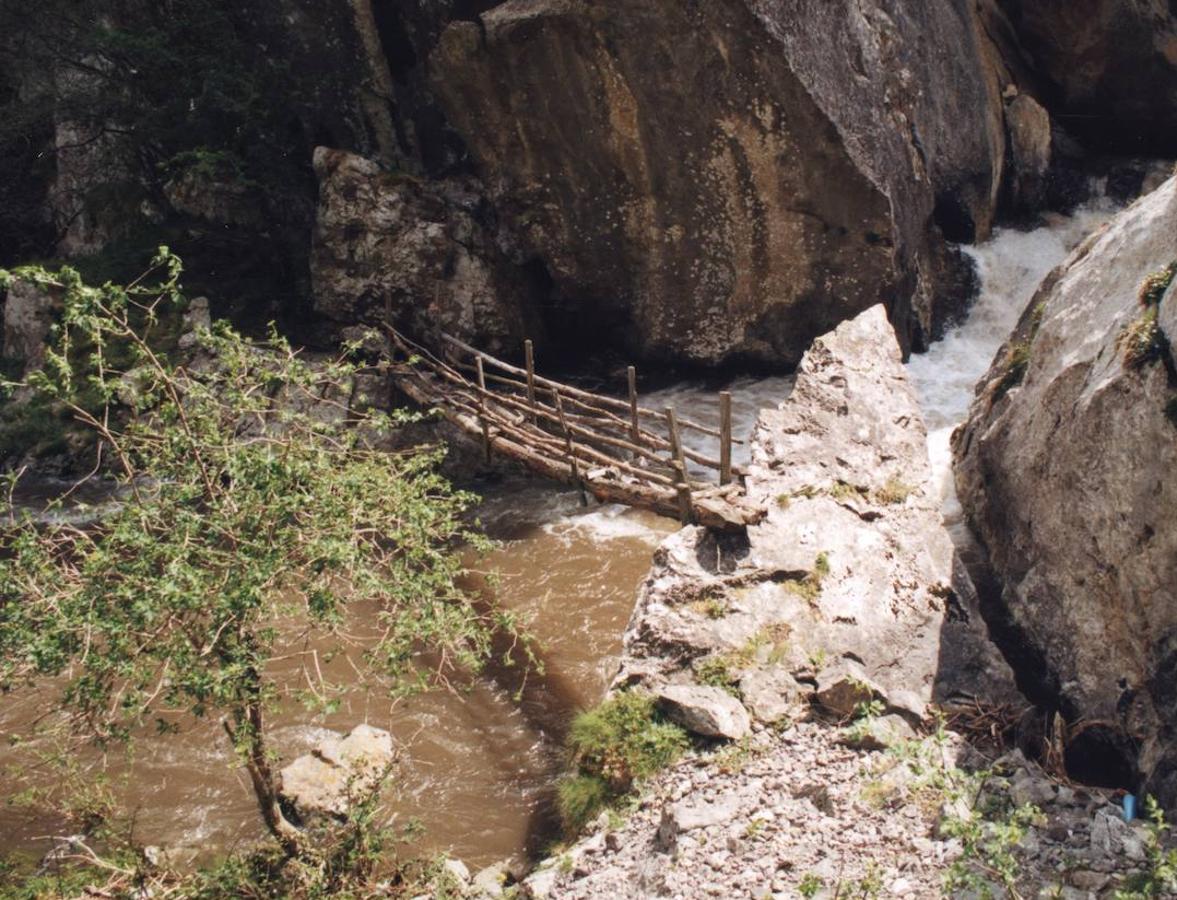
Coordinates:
<point>478,767</point>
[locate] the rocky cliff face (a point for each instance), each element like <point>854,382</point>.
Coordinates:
<point>421,255</point>
<point>1110,67</point>
<point>850,589</point>
<point>1067,469</point>
<point>728,180</point>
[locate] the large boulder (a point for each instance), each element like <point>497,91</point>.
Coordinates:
<point>1112,65</point>
<point>390,247</point>
<point>28,315</point>
<point>851,584</point>
<point>727,180</point>
<point>1067,470</point>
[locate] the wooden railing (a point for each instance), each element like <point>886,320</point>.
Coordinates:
<point>611,447</point>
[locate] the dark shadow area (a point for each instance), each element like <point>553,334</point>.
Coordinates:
<point>1098,754</point>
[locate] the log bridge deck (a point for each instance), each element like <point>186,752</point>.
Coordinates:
<point>611,448</point>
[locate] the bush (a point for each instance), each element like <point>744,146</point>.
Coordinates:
<point>618,743</point>
<point>1142,341</point>
<point>241,507</point>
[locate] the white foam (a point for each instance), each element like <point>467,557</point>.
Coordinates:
<point>1011,265</point>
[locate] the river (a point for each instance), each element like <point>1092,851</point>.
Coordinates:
<point>477,768</point>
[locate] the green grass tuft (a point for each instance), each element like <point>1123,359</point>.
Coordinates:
<point>1017,362</point>
<point>1142,341</point>
<point>618,743</point>
<point>1153,288</point>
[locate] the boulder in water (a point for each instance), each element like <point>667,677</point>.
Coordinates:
<point>338,773</point>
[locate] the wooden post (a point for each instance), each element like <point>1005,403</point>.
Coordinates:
<point>725,437</point>
<point>571,449</point>
<point>529,356</point>
<point>482,406</point>
<point>679,464</point>
<point>635,431</point>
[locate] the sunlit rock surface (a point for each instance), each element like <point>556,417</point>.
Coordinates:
<point>1069,478</point>
<point>851,585</point>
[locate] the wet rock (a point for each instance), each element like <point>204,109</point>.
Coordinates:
<point>340,771</point>
<point>1031,142</point>
<point>704,710</point>
<point>1067,471</point>
<point>393,248</point>
<point>637,148</point>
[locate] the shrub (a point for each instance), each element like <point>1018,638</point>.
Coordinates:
<point>581,798</point>
<point>618,743</point>
<point>1152,289</point>
<point>238,511</point>
<point>1142,341</point>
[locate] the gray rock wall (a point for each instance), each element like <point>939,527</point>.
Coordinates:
<point>1069,478</point>
<point>850,589</point>
<point>1110,66</point>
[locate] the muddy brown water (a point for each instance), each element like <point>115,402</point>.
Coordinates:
<point>476,767</point>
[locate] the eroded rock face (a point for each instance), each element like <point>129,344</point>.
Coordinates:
<point>1070,480</point>
<point>729,179</point>
<point>392,248</point>
<point>851,585</point>
<point>1113,65</point>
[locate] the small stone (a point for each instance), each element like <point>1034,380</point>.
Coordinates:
<point>772,695</point>
<point>950,814</point>
<point>682,817</point>
<point>490,881</point>
<point>877,733</point>
<point>339,771</point>
<point>1026,788</point>
<point>457,870</point>
<point>841,687</point>
<point>707,711</point>
<point>1086,880</point>
<point>540,885</point>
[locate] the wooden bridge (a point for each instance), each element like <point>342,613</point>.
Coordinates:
<point>611,448</point>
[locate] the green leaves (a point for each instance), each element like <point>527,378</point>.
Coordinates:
<point>256,520</point>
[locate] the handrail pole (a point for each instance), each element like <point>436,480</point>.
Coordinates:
<point>482,406</point>
<point>571,450</point>
<point>635,426</point>
<point>529,357</point>
<point>679,465</point>
<point>725,437</point>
